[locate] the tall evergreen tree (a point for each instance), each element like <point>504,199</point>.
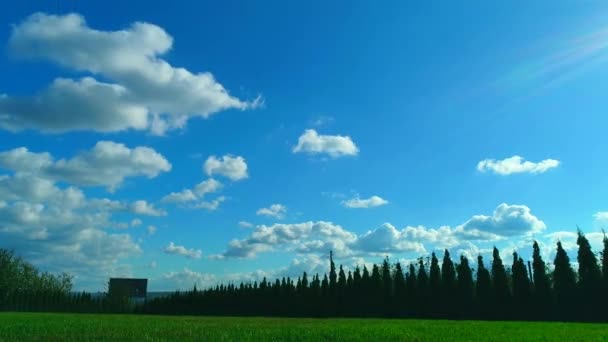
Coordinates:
<point>411,287</point>
<point>399,290</point>
<point>464,287</point>
<point>333,276</point>
<point>521,287</point>
<point>589,277</point>
<point>564,284</point>
<point>500,281</point>
<point>387,286</point>
<point>422,291</point>
<point>435,286</point>
<point>448,284</point>
<point>484,288</point>
<point>541,284</point>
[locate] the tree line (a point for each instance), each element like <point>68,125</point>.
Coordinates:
<point>435,287</point>
<point>24,288</point>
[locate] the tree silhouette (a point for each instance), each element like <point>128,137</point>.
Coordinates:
<point>541,288</point>
<point>448,285</point>
<point>521,287</point>
<point>564,284</point>
<point>465,288</point>
<point>589,276</point>
<point>484,288</point>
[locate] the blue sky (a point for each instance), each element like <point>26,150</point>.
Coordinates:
<point>286,130</point>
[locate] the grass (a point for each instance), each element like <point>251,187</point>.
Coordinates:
<point>84,327</point>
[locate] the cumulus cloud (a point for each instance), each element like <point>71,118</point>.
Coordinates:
<point>277,211</point>
<point>136,222</point>
<point>106,164</point>
<point>333,145</point>
<point>183,196</point>
<point>210,205</point>
<point>148,92</point>
<point>231,167</point>
<point>387,239</point>
<point>374,201</point>
<point>302,237</point>
<point>59,229</point>
<point>516,164</point>
<point>245,224</point>
<point>311,237</point>
<point>507,220</point>
<point>193,199</point>
<point>144,208</point>
<point>183,251</point>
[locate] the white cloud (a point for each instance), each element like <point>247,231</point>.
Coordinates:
<point>210,205</point>
<point>144,208</point>
<point>601,216</point>
<point>183,196</point>
<point>303,237</point>
<point>187,197</point>
<point>275,210</point>
<point>516,164</point>
<point>333,145</point>
<point>245,224</point>
<point>106,164</point>
<point>149,92</point>
<point>136,222</point>
<point>232,167</point>
<point>507,220</point>
<point>151,230</point>
<point>183,251</point>
<point>374,201</point>
<point>208,186</point>
<point>308,237</point>
<point>60,230</point>
<point>388,239</point>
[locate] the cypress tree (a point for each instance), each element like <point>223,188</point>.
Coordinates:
<point>448,284</point>
<point>387,286</point>
<point>422,292</point>
<point>521,287</point>
<point>564,284</point>
<point>399,290</point>
<point>484,288</point>
<point>589,277</point>
<point>410,287</point>
<point>464,287</point>
<point>376,293</point>
<point>500,282</point>
<point>332,271</point>
<point>435,286</point>
<point>541,285</point>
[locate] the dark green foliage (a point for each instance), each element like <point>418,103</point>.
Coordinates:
<point>564,284</point>
<point>464,297</point>
<point>589,276</point>
<point>450,291</point>
<point>448,286</point>
<point>500,282</point>
<point>435,286</point>
<point>541,287</point>
<point>522,291</point>
<point>484,288</point>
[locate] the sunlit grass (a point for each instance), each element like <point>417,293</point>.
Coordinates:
<point>78,327</point>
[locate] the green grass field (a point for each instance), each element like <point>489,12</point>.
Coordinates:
<point>70,327</point>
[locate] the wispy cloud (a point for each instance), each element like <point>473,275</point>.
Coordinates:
<point>516,164</point>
